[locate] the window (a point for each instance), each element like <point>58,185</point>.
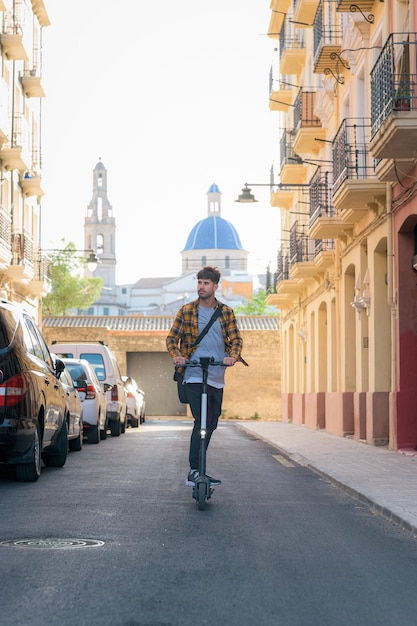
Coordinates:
<point>97,362</point>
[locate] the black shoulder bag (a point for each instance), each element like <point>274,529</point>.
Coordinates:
<point>179,376</point>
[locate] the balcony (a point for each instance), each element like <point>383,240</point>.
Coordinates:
<point>304,12</point>
<point>324,254</point>
<point>39,10</point>
<point>356,186</point>
<point>279,9</point>
<point>21,268</point>
<point>292,48</point>
<point>13,157</point>
<point>5,238</point>
<point>307,125</point>
<point>14,152</point>
<point>40,285</point>
<point>394,99</point>
<point>364,6</point>
<point>327,43</point>
<point>323,222</point>
<point>279,99</point>
<point>359,14</point>
<point>31,84</point>
<point>293,170</point>
<point>301,255</point>
<point>392,170</point>
<point>31,186</point>
<point>286,195</point>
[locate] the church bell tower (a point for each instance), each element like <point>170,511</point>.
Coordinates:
<point>100,229</point>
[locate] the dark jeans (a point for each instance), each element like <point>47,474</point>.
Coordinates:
<point>214,410</point>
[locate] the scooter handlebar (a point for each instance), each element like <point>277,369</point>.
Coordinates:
<point>203,361</point>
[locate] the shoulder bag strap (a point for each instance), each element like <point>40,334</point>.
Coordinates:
<point>208,326</point>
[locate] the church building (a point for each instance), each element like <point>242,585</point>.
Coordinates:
<point>212,241</point>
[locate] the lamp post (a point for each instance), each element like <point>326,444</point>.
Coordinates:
<point>91,261</point>
<point>247,195</point>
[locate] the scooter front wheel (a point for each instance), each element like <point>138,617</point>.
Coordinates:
<point>201,496</point>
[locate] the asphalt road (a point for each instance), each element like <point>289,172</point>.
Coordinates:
<point>276,545</point>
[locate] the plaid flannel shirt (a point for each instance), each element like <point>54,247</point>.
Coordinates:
<point>184,331</point>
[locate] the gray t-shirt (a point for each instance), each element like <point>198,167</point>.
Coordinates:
<point>212,345</point>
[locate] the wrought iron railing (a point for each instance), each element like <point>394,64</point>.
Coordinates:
<point>304,110</point>
<point>290,37</point>
<point>327,30</point>
<point>22,249</point>
<point>5,228</point>
<point>301,246</point>
<point>283,270</point>
<point>320,196</point>
<point>351,157</point>
<point>287,154</point>
<point>394,79</point>
<point>42,268</point>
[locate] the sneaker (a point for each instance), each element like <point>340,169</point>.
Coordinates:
<point>193,475</point>
<point>214,481</point>
<point>191,478</point>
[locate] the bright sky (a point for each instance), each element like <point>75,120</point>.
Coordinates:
<point>173,96</point>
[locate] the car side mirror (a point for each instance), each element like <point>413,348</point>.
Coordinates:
<point>59,367</point>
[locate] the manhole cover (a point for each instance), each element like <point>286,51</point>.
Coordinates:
<point>54,543</point>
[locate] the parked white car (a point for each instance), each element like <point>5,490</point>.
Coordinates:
<point>92,396</point>
<point>135,402</point>
<point>108,371</point>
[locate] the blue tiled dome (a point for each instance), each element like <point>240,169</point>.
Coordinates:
<point>212,233</point>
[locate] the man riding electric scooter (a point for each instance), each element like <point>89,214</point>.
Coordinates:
<point>204,328</point>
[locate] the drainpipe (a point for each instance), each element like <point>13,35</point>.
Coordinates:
<point>392,304</point>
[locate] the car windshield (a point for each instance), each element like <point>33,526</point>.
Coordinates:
<point>76,371</point>
<point>97,362</point>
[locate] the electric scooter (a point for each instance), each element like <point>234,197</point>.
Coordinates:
<point>202,490</point>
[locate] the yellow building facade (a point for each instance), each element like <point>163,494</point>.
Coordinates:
<point>23,267</point>
<point>344,87</point>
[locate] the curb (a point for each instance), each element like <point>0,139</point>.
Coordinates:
<point>385,511</point>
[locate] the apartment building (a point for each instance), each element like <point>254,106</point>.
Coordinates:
<point>23,267</point>
<point>344,85</point>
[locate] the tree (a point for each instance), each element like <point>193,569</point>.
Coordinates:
<point>70,290</point>
<point>256,305</point>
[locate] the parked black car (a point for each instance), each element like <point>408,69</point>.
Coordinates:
<point>33,425</point>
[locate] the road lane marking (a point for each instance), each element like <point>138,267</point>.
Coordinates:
<point>283,460</point>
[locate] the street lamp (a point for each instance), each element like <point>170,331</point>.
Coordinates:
<point>247,195</point>
<point>91,261</point>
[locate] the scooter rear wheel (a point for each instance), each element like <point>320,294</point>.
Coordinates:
<point>201,496</point>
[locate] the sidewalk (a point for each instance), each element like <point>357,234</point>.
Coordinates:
<point>381,478</point>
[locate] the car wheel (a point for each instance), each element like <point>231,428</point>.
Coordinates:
<point>123,426</point>
<point>134,422</point>
<point>93,434</point>
<point>75,445</point>
<point>115,427</point>
<point>103,432</point>
<point>142,418</point>
<point>30,472</point>
<point>58,457</point>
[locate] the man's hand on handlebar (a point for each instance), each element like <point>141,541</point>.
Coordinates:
<point>179,360</point>
<point>229,360</point>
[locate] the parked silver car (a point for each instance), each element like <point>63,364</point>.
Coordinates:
<point>92,396</point>
<point>74,413</point>
<point>135,402</point>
